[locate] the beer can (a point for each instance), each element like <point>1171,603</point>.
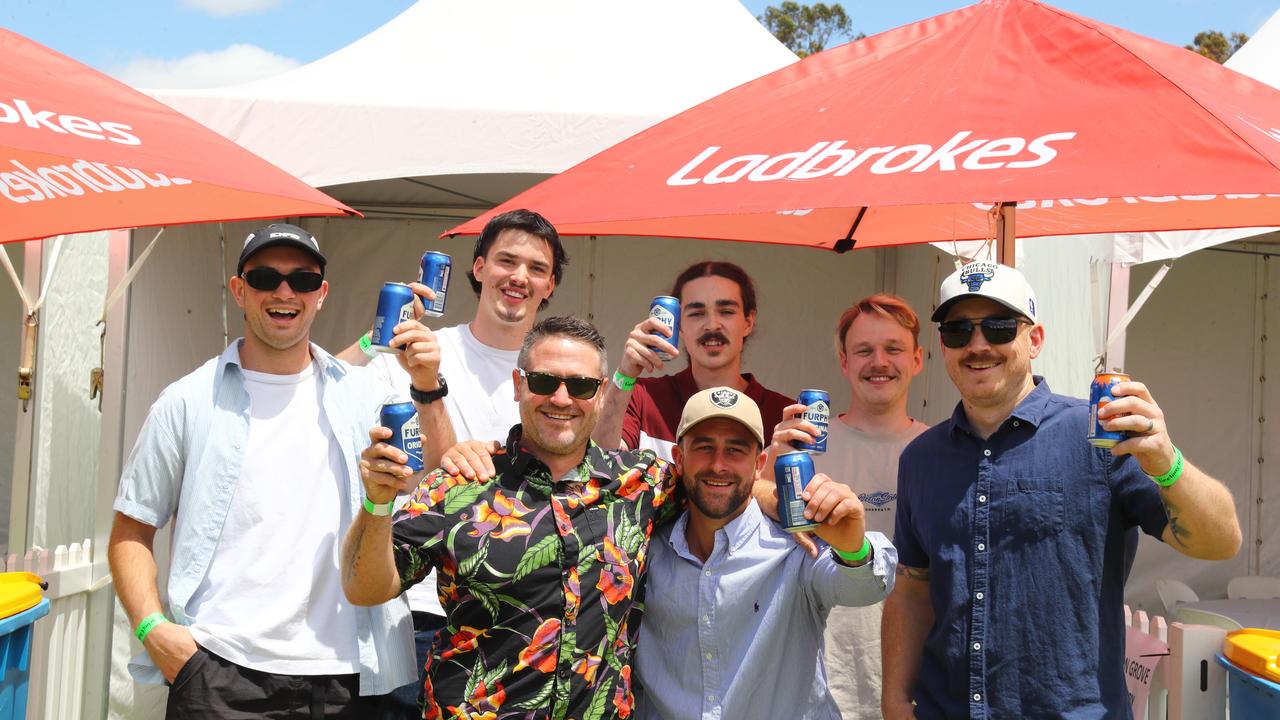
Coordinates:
<point>405,436</point>
<point>434,273</point>
<point>395,305</point>
<point>792,472</point>
<point>1099,396</point>
<point>667,310</point>
<point>818,413</point>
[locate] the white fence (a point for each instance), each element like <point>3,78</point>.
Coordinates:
<point>1188,684</point>
<point>59,642</point>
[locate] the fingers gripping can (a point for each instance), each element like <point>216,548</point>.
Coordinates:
<point>1100,394</point>
<point>405,435</point>
<point>792,472</point>
<point>395,305</point>
<point>667,310</point>
<point>434,272</point>
<point>818,413</point>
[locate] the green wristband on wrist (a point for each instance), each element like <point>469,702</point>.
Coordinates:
<point>379,509</point>
<point>623,382</point>
<point>855,557</point>
<point>148,624</point>
<point>1174,473</point>
<point>366,344</point>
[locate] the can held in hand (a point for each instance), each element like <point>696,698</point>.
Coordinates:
<point>405,435</point>
<point>819,414</point>
<point>792,472</point>
<point>434,273</point>
<point>1099,395</point>
<point>395,305</point>
<point>667,310</point>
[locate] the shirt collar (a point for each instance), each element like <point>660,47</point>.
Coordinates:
<point>326,363</point>
<point>1030,410</point>
<point>525,465</point>
<point>737,532</point>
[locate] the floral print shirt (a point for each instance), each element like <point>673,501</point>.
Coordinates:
<point>540,579</point>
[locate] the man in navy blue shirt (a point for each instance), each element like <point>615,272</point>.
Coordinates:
<point>1011,527</point>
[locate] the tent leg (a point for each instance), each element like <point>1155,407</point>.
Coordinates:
<point>1006,234</point>
<point>1117,306</point>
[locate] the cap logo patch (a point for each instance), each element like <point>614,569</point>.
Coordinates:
<point>724,398</point>
<point>285,234</point>
<point>976,273</point>
<point>1031,305</point>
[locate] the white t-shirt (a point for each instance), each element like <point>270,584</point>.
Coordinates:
<point>272,599</point>
<point>868,464</point>
<point>481,405</point>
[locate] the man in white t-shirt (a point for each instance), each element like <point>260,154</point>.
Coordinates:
<point>254,455</point>
<point>877,343</point>
<point>460,377</point>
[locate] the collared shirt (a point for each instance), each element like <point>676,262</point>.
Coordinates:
<point>541,580</point>
<point>187,461</point>
<point>1024,535</point>
<point>740,636</point>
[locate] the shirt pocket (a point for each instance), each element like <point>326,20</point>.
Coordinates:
<point>1034,508</point>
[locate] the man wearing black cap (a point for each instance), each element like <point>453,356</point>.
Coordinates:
<point>256,621</point>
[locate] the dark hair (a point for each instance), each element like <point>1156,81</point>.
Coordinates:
<point>719,268</point>
<point>565,326</point>
<point>885,305</point>
<point>530,222</point>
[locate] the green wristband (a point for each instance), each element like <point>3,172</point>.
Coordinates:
<point>623,382</point>
<point>148,624</point>
<point>855,557</point>
<point>366,344</point>
<point>379,509</point>
<point>1174,473</point>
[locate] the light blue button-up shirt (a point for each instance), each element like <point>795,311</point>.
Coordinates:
<point>186,462</point>
<point>740,636</point>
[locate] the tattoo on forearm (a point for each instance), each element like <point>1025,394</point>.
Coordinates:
<point>353,554</point>
<point>913,572</point>
<point>1181,534</point>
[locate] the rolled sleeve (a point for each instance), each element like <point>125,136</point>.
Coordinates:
<point>151,483</point>
<point>832,583</point>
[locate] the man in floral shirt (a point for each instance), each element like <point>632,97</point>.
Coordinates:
<point>540,566</point>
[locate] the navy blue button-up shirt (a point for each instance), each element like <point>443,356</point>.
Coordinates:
<point>1024,535</point>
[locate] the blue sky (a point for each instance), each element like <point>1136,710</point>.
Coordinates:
<point>201,43</point>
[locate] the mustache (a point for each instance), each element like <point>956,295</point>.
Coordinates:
<point>979,357</point>
<point>712,335</point>
<point>721,477</point>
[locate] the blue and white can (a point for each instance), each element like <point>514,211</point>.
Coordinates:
<point>792,472</point>
<point>818,412</point>
<point>395,305</point>
<point>667,310</point>
<point>405,435</point>
<point>434,272</point>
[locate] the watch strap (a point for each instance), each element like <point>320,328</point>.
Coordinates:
<point>426,397</point>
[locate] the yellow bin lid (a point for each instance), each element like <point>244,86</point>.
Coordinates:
<point>1254,650</point>
<point>21,591</point>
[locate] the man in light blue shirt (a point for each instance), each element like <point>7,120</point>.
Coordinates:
<point>254,456</point>
<point>735,608</point>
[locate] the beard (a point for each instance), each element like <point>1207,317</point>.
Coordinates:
<point>719,506</point>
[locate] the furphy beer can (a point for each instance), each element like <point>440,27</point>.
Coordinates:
<point>403,421</point>
<point>667,310</point>
<point>819,413</point>
<point>434,273</point>
<point>1099,396</point>
<point>395,305</point>
<point>792,472</point>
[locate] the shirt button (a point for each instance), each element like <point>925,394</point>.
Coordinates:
<point>565,672</point>
<point>987,452</point>
<point>977,646</point>
<point>711,698</point>
<point>977,697</point>
<point>982,498</point>
<point>979,595</point>
<point>982,546</point>
<point>1016,423</point>
<point>706,618</point>
<point>707,573</point>
<point>709,656</point>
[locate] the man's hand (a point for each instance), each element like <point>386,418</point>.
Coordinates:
<point>421,294</point>
<point>420,354</point>
<point>472,459</point>
<point>792,429</point>
<point>837,507</point>
<point>641,353</point>
<point>170,646</point>
<point>383,470</point>
<point>1134,411</point>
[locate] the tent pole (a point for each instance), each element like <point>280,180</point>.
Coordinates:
<point>1006,233</point>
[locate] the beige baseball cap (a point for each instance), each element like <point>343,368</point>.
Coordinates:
<point>722,402</point>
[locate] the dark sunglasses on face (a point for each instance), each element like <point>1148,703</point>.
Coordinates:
<point>997,330</point>
<point>267,279</point>
<point>583,388</point>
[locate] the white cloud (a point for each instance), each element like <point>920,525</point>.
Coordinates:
<point>231,8</point>
<point>235,64</point>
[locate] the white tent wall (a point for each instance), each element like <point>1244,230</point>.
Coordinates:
<point>11,317</point>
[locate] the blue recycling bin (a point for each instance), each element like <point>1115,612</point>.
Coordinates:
<point>15,660</point>
<point>1249,697</point>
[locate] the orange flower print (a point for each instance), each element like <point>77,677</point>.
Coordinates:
<point>586,667</point>
<point>502,520</point>
<point>632,484</point>
<point>464,641</point>
<point>615,576</point>
<point>540,654</point>
<point>563,523</point>
<point>572,596</point>
<point>622,697</point>
<point>590,493</point>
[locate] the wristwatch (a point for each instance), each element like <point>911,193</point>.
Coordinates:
<point>426,397</point>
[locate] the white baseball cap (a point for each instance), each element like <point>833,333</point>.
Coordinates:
<point>983,278</point>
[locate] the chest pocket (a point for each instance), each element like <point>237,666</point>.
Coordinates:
<point>1033,508</point>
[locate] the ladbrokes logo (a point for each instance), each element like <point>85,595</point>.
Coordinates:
<point>834,159</point>
<point>19,112</point>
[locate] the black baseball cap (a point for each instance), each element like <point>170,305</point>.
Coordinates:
<point>279,234</point>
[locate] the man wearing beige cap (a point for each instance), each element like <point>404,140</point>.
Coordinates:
<point>735,608</point>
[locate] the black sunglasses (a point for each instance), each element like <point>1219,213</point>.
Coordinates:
<point>540,383</point>
<point>267,279</point>
<point>997,330</point>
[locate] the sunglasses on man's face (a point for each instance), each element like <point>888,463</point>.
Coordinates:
<point>540,383</point>
<point>997,330</point>
<point>267,279</point>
